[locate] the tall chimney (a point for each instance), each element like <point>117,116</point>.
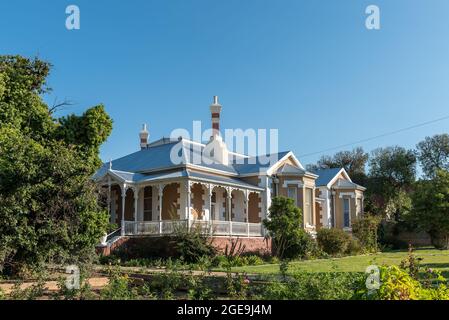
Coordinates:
<point>215,110</point>
<point>144,134</point>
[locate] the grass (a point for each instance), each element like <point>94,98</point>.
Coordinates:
<point>431,258</point>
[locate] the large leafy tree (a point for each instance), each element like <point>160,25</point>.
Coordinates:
<point>353,162</point>
<point>392,173</point>
<point>431,208</point>
<point>433,154</point>
<point>49,208</point>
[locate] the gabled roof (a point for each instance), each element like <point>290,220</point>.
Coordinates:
<point>258,164</point>
<point>288,169</point>
<point>325,176</point>
<point>345,184</point>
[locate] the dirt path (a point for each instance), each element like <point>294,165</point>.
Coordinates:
<point>95,283</point>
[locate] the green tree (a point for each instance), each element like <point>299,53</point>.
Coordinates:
<point>431,208</point>
<point>285,227</point>
<point>353,162</point>
<point>49,208</point>
<point>392,173</point>
<point>433,154</point>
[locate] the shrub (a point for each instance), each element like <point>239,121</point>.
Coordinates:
<point>333,241</point>
<point>397,284</point>
<point>118,287</point>
<point>285,229</point>
<point>191,245</point>
<point>388,232</point>
<point>254,260</point>
<point>365,230</point>
<point>354,247</point>
<point>315,286</point>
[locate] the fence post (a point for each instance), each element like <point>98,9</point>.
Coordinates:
<point>160,227</point>
<point>247,229</point>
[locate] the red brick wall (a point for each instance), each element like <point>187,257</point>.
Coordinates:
<point>253,244</point>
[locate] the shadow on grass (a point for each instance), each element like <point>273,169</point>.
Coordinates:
<point>435,265</point>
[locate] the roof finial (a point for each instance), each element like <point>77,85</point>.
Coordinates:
<point>110,164</point>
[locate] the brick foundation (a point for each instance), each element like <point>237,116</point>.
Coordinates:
<point>253,244</point>
<point>138,245</point>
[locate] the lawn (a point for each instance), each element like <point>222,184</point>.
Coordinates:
<point>431,258</point>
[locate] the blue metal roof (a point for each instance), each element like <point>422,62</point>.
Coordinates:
<point>159,158</point>
<point>325,176</point>
<point>255,165</point>
<point>221,179</point>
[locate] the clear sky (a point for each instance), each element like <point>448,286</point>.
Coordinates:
<point>308,68</point>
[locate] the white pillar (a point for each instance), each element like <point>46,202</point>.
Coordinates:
<point>210,189</point>
<point>161,192</point>
<point>136,201</point>
<point>109,199</point>
<point>188,203</point>
<point>123,208</point>
<point>247,210</point>
<point>229,208</point>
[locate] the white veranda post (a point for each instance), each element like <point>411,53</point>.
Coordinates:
<point>161,192</point>
<point>123,209</point>
<point>136,201</point>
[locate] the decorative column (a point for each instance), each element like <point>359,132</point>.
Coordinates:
<point>109,199</point>
<point>136,201</point>
<point>123,208</point>
<point>229,208</point>
<point>188,203</point>
<point>161,192</point>
<point>210,189</point>
<point>247,210</point>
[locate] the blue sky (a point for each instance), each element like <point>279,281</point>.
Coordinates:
<point>308,68</point>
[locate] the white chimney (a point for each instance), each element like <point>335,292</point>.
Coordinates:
<point>216,148</point>
<point>144,135</point>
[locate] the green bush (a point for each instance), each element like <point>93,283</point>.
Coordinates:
<point>118,287</point>
<point>254,260</point>
<point>365,230</point>
<point>315,286</point>
<point>388,232</point>
<point>285,229</point>
<point>397,284</point>
<point>191,245</point>
<point>223,261</point>
<point>354,247</point>
<point>333,241</point>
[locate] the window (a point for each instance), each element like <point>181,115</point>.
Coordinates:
<point>346,213</point>
<point>308,206</point>
<point>148,204</point>
<point>292,194</point>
